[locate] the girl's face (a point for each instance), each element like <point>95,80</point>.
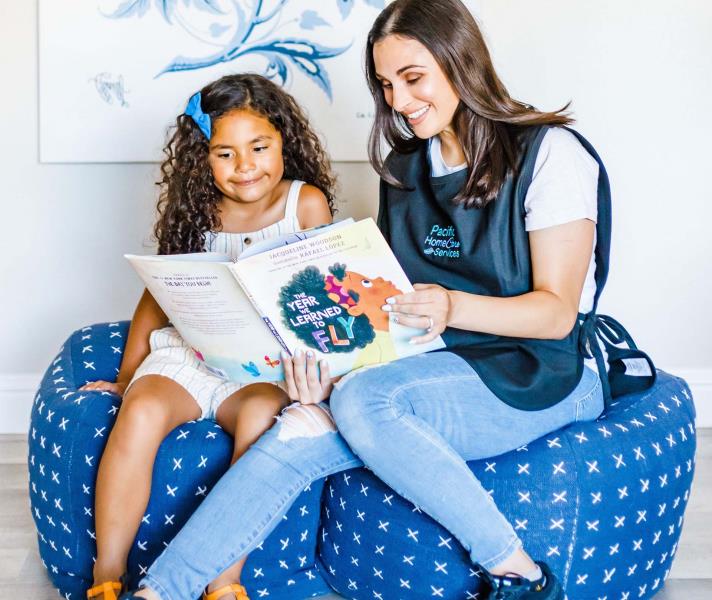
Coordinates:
<point>414,85</point>
<point>246,156</point>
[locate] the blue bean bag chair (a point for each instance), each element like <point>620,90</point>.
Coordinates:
<point>68,432</point>
<point>601,502</point>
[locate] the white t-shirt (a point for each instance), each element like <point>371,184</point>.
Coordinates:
<point>564,188</point>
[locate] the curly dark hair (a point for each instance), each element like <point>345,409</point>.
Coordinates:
<point>188,202</point>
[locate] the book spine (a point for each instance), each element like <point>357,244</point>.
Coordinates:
<point>267,320</point>
<point>275,333</point>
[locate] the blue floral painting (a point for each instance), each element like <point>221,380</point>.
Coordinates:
<point>115,73</point>
<point>257,28</point>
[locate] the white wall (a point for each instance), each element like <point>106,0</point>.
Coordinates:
<point>638,73</point>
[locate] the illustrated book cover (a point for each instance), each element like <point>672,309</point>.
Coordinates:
<point>320,289</point>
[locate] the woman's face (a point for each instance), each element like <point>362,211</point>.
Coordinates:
<point>414,85</point>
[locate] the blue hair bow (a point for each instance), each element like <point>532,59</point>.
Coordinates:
<point>195,112</point>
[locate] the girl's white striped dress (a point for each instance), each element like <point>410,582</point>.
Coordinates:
<point>171,357</point>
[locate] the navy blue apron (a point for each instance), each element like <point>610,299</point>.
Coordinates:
<point>486,251</point>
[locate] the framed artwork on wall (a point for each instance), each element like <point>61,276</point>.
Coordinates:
<point>115,73</point>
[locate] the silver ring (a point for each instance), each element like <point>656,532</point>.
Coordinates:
<point>430,327</point>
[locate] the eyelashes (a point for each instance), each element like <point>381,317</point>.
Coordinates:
<point>387,85</point>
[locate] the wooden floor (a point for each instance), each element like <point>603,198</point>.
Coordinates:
<point>22,574</point>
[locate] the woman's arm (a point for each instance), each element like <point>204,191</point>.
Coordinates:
<point>147,317</point>
<point>560,258</point>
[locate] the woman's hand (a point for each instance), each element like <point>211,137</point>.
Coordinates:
<point>428,307</point>
<point>115,387</point>
<point>305,383</point>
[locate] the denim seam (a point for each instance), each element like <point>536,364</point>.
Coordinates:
<point>404,387</point>
<point>581,402</point>
<point>245,548</point>
<point>291,495</point>
<point>421,382</point>
<point>513,544</point>
<point>391,403</point>
<point>408,386</point>
<point>152,584</point>
<point>249,544</point>
<point>448,450</point>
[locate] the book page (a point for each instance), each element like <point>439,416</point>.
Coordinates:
<point>209,309</point>
<point>291,238</point>
<point>325,294</point>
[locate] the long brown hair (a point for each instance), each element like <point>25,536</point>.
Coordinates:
<point>488,121</point>
<point>188,202</point>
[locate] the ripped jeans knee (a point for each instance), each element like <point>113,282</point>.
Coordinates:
<point>304,421</point>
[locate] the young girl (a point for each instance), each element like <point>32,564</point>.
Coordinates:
<point>242,165</point>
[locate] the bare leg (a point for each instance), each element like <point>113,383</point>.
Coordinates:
<point>518,563</point>
<point>246,415</point>
<point>152,408</point>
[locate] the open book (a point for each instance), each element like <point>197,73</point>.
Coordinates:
<point>320,289</point>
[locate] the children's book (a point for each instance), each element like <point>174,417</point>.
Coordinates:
<point>320,289</point>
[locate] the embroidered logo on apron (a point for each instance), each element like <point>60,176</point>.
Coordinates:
<point>442,242</point>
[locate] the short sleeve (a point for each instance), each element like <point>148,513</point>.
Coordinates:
<point>564,185</point>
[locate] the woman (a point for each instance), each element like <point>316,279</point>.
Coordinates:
<point>496,202</point>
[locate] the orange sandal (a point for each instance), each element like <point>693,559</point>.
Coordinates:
<point>233,588</point>
<point>108,588</point>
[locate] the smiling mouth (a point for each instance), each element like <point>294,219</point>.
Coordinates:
<point>247,182</point>
<point>418,114</point>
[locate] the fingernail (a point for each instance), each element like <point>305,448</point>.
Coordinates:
<point>284,355</point>
<point>298,353</point>
<point>387,308</point>
<point>310,354</point>
<point>390,300</point>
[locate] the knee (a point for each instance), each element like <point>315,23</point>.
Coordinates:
<point>144,410</point>
<point>304,421</point>
<point>257,412</point>
<point>358,400</point>
<point>345,402</point>
<point>355,412</point>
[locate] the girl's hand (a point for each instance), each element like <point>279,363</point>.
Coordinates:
<point>304,382</point>
<point>115,387</point>
<point>428,307</point>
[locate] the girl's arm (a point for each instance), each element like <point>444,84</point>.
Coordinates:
<point>560,258</point>
<point>313,208</point>
<point>147,317</point>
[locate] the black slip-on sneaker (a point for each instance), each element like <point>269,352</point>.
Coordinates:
<point>520,588</point>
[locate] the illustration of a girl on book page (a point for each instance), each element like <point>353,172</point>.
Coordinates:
<point>340,313</point>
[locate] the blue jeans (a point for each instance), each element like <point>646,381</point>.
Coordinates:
<point>413,422</point>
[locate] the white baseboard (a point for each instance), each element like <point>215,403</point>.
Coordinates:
<point>18,391</point>
<point>16,395</point>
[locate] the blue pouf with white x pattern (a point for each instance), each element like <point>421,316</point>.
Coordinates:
<point>68,432</point>
<point>601,502</point>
